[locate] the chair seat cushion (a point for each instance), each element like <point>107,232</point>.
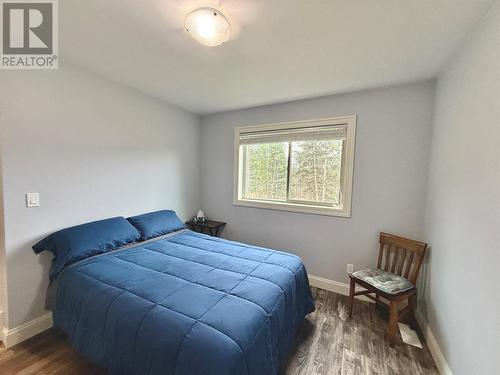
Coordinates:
<point>384,281</point>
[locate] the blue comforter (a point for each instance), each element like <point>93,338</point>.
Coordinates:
<point>186,304</point>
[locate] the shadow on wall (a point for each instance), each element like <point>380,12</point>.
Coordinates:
<point>34,298</point>
<point>423,283</point>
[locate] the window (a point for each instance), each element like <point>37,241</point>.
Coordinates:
<point>304,166</point>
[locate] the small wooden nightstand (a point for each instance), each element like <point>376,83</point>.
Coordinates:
<point>210,227</point>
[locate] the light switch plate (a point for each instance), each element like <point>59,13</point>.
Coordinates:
<point>32,200</point>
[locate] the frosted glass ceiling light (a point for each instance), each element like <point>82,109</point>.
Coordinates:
<point>208,26</point>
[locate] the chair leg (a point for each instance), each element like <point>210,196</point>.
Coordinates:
<point>412,304</point>
<point>393,323</point>
<point>351,296</point>
<point>377,301</point>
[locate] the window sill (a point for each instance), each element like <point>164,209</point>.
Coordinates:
<point>292,207</point>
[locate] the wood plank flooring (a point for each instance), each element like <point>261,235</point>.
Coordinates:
<point>328,343</point>
<point>331,343</point>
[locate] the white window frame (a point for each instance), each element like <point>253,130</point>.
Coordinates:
<point>347,171</point>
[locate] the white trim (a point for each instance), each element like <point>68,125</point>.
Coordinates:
<point>293,207</point>
<point>437,354</point>
<point>347,167</point>
<point>334,286</point>
<point>11,337</point>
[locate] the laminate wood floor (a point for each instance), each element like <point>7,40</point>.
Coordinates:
<point>328,343</point>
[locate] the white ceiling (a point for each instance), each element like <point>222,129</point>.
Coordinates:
<point>280,50</point>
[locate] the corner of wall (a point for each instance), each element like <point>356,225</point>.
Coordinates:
<point>466,92</point>
<point>3,258</point>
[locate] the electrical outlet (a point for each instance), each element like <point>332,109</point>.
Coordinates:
<point>350,268</point>
<point>32,200</point>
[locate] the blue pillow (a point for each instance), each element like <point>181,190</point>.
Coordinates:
<point>157,223</point>
<point>82,241</point>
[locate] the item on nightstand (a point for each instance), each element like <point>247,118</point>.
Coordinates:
<point>200,217</point>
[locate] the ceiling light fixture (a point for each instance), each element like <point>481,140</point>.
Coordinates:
<point>208,26</point>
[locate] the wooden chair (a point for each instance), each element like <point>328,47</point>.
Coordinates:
<point>398,258</point>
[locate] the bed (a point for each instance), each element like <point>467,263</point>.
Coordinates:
<point>184,303</point>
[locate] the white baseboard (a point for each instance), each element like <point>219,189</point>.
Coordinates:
<point>437,354</point>
<point>333,286</point>
<point>11,337</point>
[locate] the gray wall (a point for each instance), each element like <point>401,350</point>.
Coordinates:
<point>93,149</point>
<point>390,177</point>
<point>3,271</point>
<point>463,211</point>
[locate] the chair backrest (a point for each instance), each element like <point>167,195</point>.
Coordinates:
<point>401,256</point>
